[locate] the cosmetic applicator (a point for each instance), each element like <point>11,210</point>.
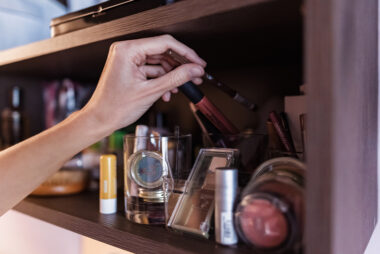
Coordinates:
<point>236,96</point>
<point>195,95</point>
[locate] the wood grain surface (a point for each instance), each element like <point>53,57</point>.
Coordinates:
<point>221,30</point>
<point>342,86</point>
<point>158,17</point>
<point>79,213</point>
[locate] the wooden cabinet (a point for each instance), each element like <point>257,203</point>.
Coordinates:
<point>265,48</point>
<point>342,76</point>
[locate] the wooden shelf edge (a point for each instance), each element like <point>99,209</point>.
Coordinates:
<point>79,214</point>
<point>150,19</point>
<point>75,224</point>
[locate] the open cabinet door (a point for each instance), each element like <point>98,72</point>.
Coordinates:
<point>341,76</point>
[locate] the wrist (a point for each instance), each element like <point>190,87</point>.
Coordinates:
<point>95,126</point>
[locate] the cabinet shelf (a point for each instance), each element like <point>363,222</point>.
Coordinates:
<point>81,54</point>
<point>334,56</point>
<point>79,213</point>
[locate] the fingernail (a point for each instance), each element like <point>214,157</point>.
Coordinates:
<point>196,71</point>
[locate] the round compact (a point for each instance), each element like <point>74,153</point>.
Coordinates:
<point>264,222</point>
<point>147,169</point>
<point>269,216</point>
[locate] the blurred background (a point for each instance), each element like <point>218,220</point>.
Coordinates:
<point>22,22</point>
<point>20,233</point>
<point>26,21</point>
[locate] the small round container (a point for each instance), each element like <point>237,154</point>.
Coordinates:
<point>270,215</point>
<point>147,169</point>
<point>63,182</point>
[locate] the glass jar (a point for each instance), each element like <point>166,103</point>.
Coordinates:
<point>155,172</point>
<point>270,216</point>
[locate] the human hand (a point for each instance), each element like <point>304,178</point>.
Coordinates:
<point>132,81</point>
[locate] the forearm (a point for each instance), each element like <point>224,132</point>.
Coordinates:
<point>130,83</point>
<point>26,165</point>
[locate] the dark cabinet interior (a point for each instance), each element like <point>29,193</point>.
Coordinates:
<point>264,49</point>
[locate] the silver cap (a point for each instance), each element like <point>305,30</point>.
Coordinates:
<point>226,188</point>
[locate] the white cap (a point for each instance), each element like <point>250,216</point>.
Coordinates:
<point>108,206</point>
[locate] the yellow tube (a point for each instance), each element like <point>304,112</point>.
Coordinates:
<point>108,184</point>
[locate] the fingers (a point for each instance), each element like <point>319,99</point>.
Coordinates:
<point>178,76</point>
<point>151,71</point>
<point>159,59</point>
<point>197,81</point>
<point>160,44</point>
<point>166,97</point>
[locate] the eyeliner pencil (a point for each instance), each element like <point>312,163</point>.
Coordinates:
<point>280,131</point>
<point>200,123</point>
<point>285,125</point>
<point>211,133</point>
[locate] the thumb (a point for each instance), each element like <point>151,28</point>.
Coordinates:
<point>179,76</point>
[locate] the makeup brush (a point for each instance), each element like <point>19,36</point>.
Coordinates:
<point>225,88</point>
<point>208,109</point>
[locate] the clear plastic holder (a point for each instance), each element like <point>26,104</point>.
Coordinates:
<point>253,148</point>
<point>193,212</point>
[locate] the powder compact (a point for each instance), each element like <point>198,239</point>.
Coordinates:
<point>194,210</point>
<point>270,214</point>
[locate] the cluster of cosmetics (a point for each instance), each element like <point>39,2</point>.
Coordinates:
<point>161,187</point>
<point>267,214</point>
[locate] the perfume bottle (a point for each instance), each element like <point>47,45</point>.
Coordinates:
<point>13,120</point>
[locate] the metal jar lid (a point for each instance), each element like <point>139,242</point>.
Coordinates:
<point>147,168</point>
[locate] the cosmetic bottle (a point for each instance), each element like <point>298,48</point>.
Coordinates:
<point>108,184</point>
<point>13,121</point>
<point>226,186</point>
<point>270,215</point>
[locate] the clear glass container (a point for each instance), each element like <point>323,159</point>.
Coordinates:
<point>155,172</point>
<point>252,148</point>
<point>270,215</point>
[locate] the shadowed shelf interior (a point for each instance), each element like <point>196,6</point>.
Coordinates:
<point>265,49</point>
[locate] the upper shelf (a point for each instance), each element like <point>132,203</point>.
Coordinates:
<point>79,213</point>
<point>81,54</point>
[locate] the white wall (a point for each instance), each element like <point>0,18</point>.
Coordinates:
<point>91,246</point>
<point>20,233</point>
